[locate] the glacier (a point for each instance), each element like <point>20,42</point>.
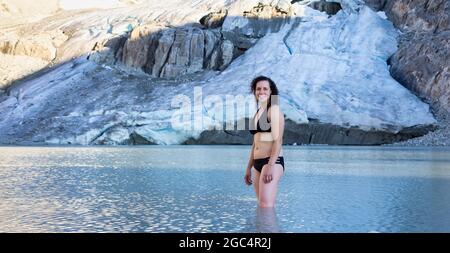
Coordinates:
<point>329,69</point>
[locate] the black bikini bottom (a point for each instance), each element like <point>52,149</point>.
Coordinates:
<point>259,163</point>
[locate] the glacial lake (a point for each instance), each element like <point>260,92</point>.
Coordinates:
<point>201,189</point>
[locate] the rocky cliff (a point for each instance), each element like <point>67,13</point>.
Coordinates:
<point>422,62</point>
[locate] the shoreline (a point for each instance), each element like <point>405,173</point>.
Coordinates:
<point>437,138</point>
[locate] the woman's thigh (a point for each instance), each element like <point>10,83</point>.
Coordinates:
<point>268,191</point>
<point>256,176</point>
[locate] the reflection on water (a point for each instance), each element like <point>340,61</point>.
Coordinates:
<point>201,189</point>
<point>266,220</point>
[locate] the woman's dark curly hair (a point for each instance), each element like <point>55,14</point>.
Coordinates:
<point>273,88</point>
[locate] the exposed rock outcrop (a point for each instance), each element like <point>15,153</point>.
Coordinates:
<point>315,133</point>
<point>107,51</point>
<point>419,15</point>
<point>42,45</point>
<point>224,35</point>
<point>422,62</point>
<point>172,52</point>
<point>328,7</point>
<point>244,29</point>
<point>376,5</point>
<point>422,65</point>
<point>24,54</point>
<point>214,19</point>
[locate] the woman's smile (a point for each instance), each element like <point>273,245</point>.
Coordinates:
<point>262,97</point>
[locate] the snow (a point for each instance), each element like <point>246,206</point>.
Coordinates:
<point>382,14</point>
<point>102,4</point>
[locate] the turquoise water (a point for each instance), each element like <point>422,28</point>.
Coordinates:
<point>201,189</point>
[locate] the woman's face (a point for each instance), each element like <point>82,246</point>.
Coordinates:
<point>262,91</point>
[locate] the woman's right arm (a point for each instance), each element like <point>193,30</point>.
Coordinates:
<point>250,160</point>
<point>248,171</point>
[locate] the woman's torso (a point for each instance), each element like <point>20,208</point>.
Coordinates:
<point>263,146</point>
<point>263,142</point>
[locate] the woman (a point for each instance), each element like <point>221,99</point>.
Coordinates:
<point>266,156</point>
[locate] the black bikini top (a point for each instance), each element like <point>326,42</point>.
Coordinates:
<point>266,124</point>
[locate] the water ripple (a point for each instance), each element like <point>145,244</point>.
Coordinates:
<point>135,189</point>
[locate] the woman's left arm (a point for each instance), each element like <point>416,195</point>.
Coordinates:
<point>277,126</point>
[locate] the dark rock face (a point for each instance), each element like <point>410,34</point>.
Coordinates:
<point>422,65</point>
<point>315,133</point>
<point>137,139</point>
<point>419,15</point>
<point>422,62</point>
<point>245,29</point>
<point>172,52</point>
<point>222,137</point>
<point>214,19</point>
<point>376,5</point>
<point>330,8</point>
<point>323,133</point>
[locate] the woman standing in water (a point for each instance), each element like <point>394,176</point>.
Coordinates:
<point>266,157</point>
